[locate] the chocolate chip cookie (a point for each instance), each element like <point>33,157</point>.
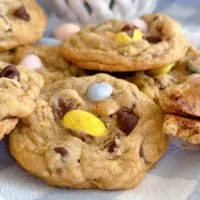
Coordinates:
<point>19,89</point>
<point>55,67</point>
<point>21,22</point>
<point>90,132</point>
<point>181,105</point>
<point>152,83</point>
<point>116,45</point>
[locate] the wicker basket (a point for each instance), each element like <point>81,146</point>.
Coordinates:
<point>89,11</point>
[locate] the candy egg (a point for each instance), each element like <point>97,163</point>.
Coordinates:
<point>49,41</point>
<point>105,108</point>
<point>65,31</point>
<point>141,24</point>
<point>85,122</point>
<point>31,61</point>
<point>163,70</point>
<point>99,91</point>
<point>137,35</point>
<point>122,38</point>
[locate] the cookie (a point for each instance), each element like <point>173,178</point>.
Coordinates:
<point>55,67</point>
<point>182,127</point>
<point>116,45</point>
<point>21,22</point>
<point>90,132</point>
<point>182,99</point>
<point>152,84</point>
<point>19,89</point>
<point>181,105</point>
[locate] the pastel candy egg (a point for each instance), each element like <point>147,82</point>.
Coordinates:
<point>99,91</point>
<point>105,108</point>
<point>31,61</point>
<point>49,41</point>
<point>162,70</point>
<point>122,38</point>
<point>82,121</point>
<point>137,35</point>
<point>65,31</point>
<point>141,24</point>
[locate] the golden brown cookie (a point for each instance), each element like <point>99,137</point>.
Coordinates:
<point>21,22</point>
<point>184,128</point>
<point>90,132</point>
<point>152,84</point>
<point>182,99</point>
<point>19,89</point>
<point>116,45</point>
<point>55,67</point>
<point>181,105</point>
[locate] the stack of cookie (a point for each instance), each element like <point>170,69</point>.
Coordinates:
<point>95,131</point>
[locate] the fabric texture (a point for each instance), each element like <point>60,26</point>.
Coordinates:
<point>176,176</point>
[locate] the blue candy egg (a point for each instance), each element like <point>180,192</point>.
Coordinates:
<point>49,41</point>
<point>99,91</point>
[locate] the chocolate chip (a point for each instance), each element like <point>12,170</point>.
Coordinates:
<point>153,39</point>
<point>21,13</point>
<point>126,120</point>
<point>10,72</point>
<point>129,28</point>
<point>64,107</point>
<point>61,150</point>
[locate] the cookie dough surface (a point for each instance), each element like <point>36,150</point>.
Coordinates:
<point>19,89</point>
<point>95,47</point>
<point>21,22</point>
<point>55,66</point>
<point>7,56</point>
<point>131,143</point>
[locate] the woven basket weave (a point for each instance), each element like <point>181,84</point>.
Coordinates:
<point>89,11</point>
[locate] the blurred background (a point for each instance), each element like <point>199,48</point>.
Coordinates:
<point>89,11</point>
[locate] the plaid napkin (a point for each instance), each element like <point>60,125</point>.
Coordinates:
<point>176,176</point>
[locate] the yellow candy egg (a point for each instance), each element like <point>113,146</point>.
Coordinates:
<point>122,38</point>
<point>83,121</point>
<point>137,35</point>
<point>163,70</point>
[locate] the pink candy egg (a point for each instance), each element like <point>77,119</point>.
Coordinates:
<point>31,61</point>
<point>65,31</point>
<point>141,24</point>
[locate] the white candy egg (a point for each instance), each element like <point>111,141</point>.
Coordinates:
<point>141,24</point>
<point>65,31</point>
<point>31,61</point>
